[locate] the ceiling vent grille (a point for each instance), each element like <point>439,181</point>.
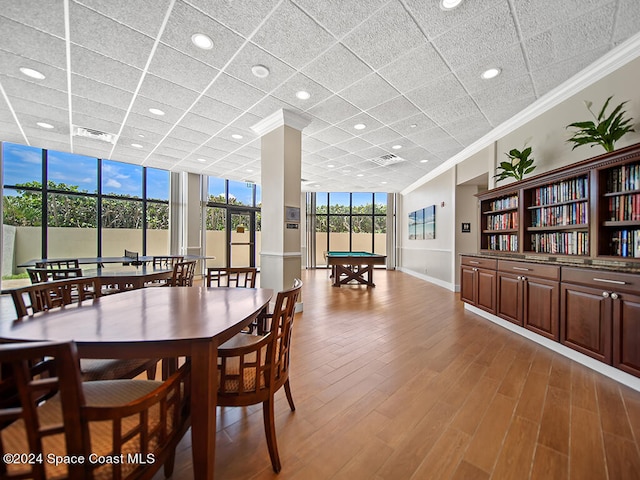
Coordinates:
<point>95,134</point>
<point>389,159</point>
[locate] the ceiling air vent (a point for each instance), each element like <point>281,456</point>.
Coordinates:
<point>389,159</point>
<point>95,134</point>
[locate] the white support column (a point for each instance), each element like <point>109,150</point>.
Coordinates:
<point>281,157</point>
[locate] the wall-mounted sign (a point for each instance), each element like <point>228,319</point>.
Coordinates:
<point>466,228</point>
<point>293,226</point>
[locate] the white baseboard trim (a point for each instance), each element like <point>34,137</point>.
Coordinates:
<point>441,283</point>
<point>607,370</point>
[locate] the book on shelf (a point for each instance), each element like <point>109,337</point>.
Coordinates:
<point>624,178</point>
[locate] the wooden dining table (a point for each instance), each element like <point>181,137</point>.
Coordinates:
<point>157,323</point>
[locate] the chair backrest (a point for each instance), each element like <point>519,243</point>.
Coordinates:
<point>34,372</point>
<point>281,328</point>
<point>166,261</point>
<point>57,264</point>
<point>80,419</point>
<point>242,277</point>
<point>44,296</point>
<point>44,274</point>
<point>183,273</point>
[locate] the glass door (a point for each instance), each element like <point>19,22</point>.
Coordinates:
<point>241,237</point>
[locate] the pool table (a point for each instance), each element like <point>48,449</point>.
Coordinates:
<point>353,266</point>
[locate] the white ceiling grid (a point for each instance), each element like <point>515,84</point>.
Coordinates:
<point>406,69</point>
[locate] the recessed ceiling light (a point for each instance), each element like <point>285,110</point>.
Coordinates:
<point>360,175</point>
<point>449,4</point>
<point>359,126</point>
<point>303,95</point>
<point>383,183</point>
<point>397,147</point>
<point>44,125</point>
<point>260,71</point>
<point>249,170</point>
<point>413,125</point>
<point>136,145</point>
<point>30,72</point>
<point>156,111</point>
<point>202,41</point>
<point>237,136</point>
<point>141,135</point>
<point>330,166</point>
<point>202,160</point>
<point>491,73</point>
<point>424,161</point>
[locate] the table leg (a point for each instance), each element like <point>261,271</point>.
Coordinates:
<point>204,388</point>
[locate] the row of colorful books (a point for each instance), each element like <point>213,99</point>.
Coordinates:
<point>562,243</point>
<point>503,203</point>
<point>626,243</point>
<point>623,179</point>
<point>573,189</point>
<point>502,221</point>
<point>567,214</point>
<point>624,208</point>
<point>503,243</point>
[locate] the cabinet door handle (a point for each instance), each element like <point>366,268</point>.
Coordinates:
<point>615,296</point>
<point>474,262</point>
<point>606,280</point>
<point>522,269</point>
<point>474,269</point>
<point>605,294</point>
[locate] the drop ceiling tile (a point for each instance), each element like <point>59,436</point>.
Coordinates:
<point>182,69</point>
<point>158,90</point>
<point>418,66</point>
<point>90,121</point>
<point>208,153</point>
<point>424,137</point>
<point>100,92</point>
<point>222,144</point>
<point>251,55</point>
<point>142,105</point>
<point>394,110</point>
<point>249,152</point>
<point>201,123</point>
<point>467,130</point>
<point>234,92</point>
<point>19,88</point>
<point>299,82</point>
<point>435,21</point>
<point>464,44</point>
<point>227,134</point>
<point>40,112</point>
<point>626,20</point>
<point>185,21</point>
<point>437,92</point>
<point>114,40</point>
<point>215,110</point>
<point>315,126</point>
<point>413,124</point>
<point>128,13</point>
<point>312,145</point>
<point>504,92</point>
<point>368,92</point>
<point>49,19</point>
<point>170,152</point>
<point>58,134</point>
<point>416,154</point>
<point>453,110</point>
<point>190,135</point>
<point>292,36</point>
<point>354,144</point>
<point>243,16</point>
<point>511,61</point>
<point>32,44</point>
<point>331,152</point>
<point>331,15</point>
<point>269,105</point>
<point>332,135</point>
<point>56,78</point>
<point>337,68</point>
<point>143,122</point>
<point>104,69</point>
<point>91,148</point>
<point>571,39</point>
<point>180,144</point>
<point>97,110</point>
<point>333,110</point>
<point>385,36</point>
<point>381,136</point>
<point>245,122</point>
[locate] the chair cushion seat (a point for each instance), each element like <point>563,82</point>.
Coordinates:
<point>112,369</point>
<point>97,393</point>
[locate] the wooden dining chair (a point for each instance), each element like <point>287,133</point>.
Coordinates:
<point>240,277</point>
<point>48,412</point>
<point>252,368</point>
<point>183,273</point>
<point>45,274</point>
<point>58,264</point>
<point>41,297</point>
<point>166,261</point>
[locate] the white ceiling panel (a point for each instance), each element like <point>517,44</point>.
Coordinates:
<point>406,69</point>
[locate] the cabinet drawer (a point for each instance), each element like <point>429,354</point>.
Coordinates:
<point>552,272</point>
<point>606,280</point>
<point>479,262</point>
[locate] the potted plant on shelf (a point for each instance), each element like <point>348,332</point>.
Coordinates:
<point>517,167</point>
<point>606,132</point>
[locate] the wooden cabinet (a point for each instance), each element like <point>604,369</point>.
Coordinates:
<point>478,283</point>
<point>601,316</point>
<point>529,296</point>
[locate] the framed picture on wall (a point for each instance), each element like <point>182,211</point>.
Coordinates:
<point>422,224</point>
<point>430,222</point>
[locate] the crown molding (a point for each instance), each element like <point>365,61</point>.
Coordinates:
<point>618,57</point>
<point>279,118</point>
